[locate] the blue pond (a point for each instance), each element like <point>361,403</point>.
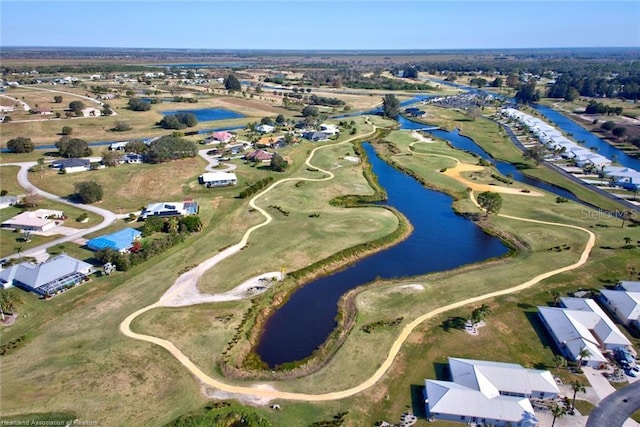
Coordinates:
<point>208,114</point>
<point>441,240</point>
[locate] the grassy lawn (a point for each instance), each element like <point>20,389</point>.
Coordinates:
<point>73,344</point>
<point>584,407</point>
<point>9,180</point>
<point>10,241</point>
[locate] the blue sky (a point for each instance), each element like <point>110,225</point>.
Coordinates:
<point>329,24</point>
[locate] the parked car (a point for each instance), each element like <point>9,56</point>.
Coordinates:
<point>624,356</point>
<point>634,372</point>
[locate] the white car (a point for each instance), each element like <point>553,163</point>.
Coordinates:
<point>634,372</point>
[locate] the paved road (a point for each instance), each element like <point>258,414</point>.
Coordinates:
<point>614,410</point>
<point>23,179</point>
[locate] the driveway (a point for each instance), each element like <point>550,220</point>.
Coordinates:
<point>600,384</point>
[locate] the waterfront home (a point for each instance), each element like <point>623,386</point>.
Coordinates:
<point>222,136</point>
<point>39,220</point>
<point>47,278</point>
<point>120,146</point>
<point>624,177</point>
<point>218,179</point>
<point>581,324</point>
<point>316,136</point>
<point>120,241</point>
<point>485,392</point>
<point>329,129</point>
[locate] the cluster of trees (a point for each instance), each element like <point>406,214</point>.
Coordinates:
<point>478,81</point>
<point>390,106</point>
<point>255,187</point>
<point>73,147</point>
<point>323,100</point>
<point>278,163</point>
<point>137,104</point>
<point>527,92</point>
<point>176,229</point>
<point>595,107</point>
<point>76,107</point>
<point>491,202</point>
<point>232,84</point>
<point>310,111</point>
<point>178,121</point>
<point>617,131</point>
<point>593,84</point>
<point>20,144</point>
<point>168,148</point>
<point>88,191</point>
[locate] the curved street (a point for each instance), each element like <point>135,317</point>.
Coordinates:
<point>614,410</point>
<point>23,179</point>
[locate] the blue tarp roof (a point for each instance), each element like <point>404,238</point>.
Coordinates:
<point>119,241</point>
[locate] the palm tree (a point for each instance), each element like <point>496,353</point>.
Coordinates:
<point>479,313</point>
<point>632,271</point>
<point>8,302</point>
<point>626,215</point>
<point>627,242</point>
<point>556,297</point>
<point>558,411</point>
<point>576,386</point>
<point>18,250</point>
<point>559,361</point>
<point>583,353</point>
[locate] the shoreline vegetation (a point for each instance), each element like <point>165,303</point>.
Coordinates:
<point>248,363</point>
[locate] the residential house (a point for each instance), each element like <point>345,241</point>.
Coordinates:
<point>235,148</point>
<point>42,112</point>
<point>624,304</point>
<point>48,278</point>
<point>133,158</point>
<point>316,136</point>
<point>624,177</point>
<point>169,209</point>
<point>39,220</point>
<point>218,179</point>
<point>120,146</point>
<point>6,201</point>
<point>485,392</point>
<point>259,156</point>
<point>269,141</point>
<point>222,136</point>
<point>581,324</point>
<point>629,285</point>
<point>329,129</point>
<point>265,128</point>
<point>71,165</point>
<point>120,241</point>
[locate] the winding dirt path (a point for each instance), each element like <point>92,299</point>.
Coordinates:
<point>125,326</point>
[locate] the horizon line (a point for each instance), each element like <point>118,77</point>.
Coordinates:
<point>316,49</point>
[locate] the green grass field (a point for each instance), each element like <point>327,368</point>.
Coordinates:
<point>75,360</point>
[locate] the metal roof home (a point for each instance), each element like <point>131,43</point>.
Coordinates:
<point>47,278</point>
<point>38,220</point>
<point>119,241</point>
<point>167,209</point>
<point>70,163</point>
<point>6,201</point>
<point>259,156</point>
<point>625,305</point>
<point>218,179</point>
<point>486,392</point>
<point>629,285</point>
<point>582,324</point>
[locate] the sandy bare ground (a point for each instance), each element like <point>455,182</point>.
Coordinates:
<point>260,391</point>
<point>24,105</point>
<point>456,173</point>
<point>421,138</point>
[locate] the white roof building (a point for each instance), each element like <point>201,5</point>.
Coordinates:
<point>624,304</point>
<point>218,179</point>
<point>629,285</point>
<point>265,128</point>
<point>487,392</point>
<point>582,324</point>
<point>38,220</point>
<point>168,209</point>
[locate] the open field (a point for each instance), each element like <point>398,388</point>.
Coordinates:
<point>73,341</point>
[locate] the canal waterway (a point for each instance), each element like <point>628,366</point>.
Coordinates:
<point>441,240</point>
